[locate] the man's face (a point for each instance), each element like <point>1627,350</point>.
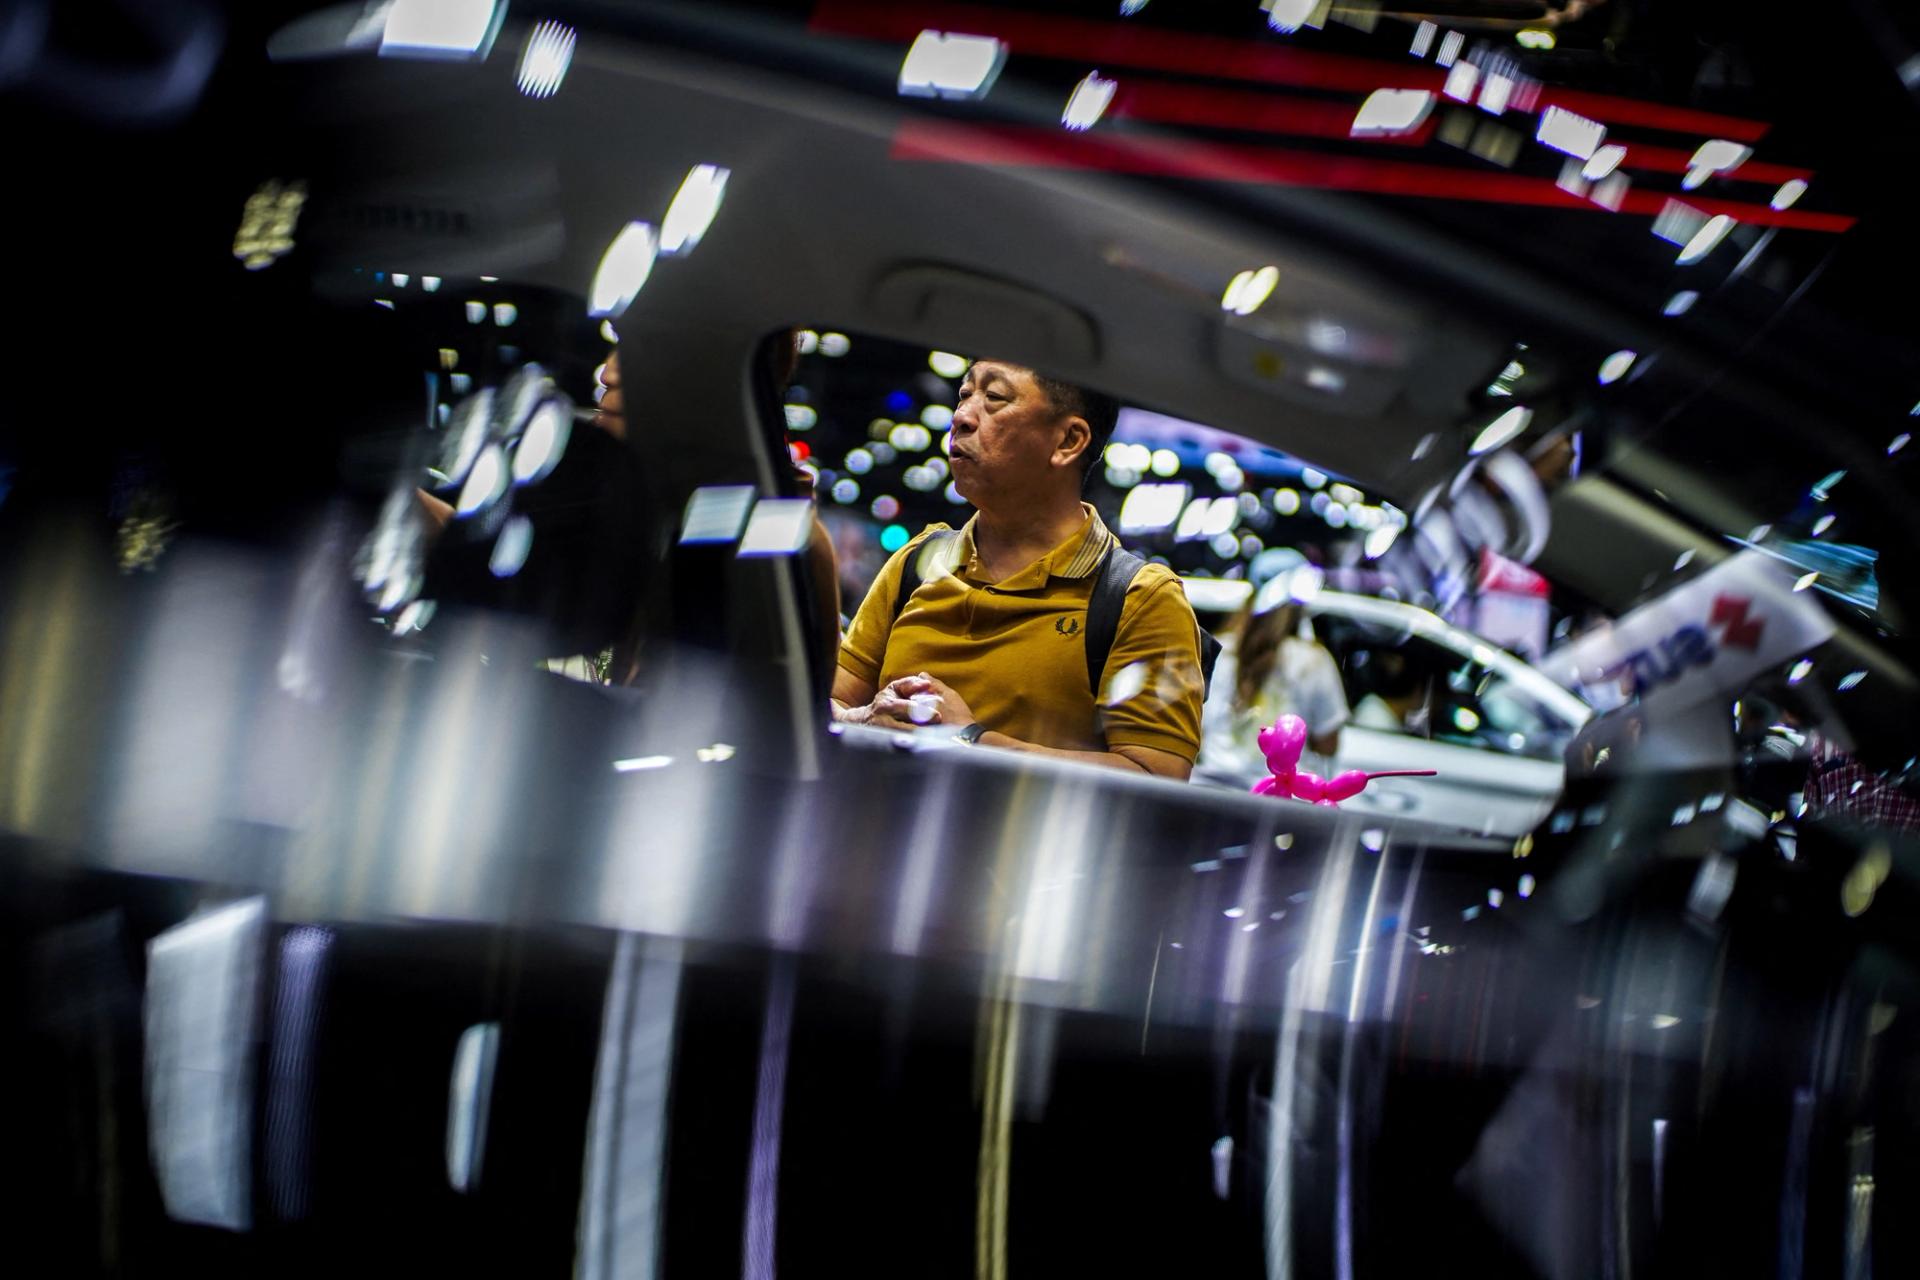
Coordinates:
<point>1008,435</point>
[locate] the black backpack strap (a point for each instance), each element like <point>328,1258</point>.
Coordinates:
<point>1111,578</point>
<point>1115,574</point>
<point>910,569</point>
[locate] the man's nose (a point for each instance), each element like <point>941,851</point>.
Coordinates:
<point>963,416</point>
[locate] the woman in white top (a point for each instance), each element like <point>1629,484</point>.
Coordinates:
<point>1266,669</point>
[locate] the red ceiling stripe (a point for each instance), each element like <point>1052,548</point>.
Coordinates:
<point>1163,102</point>
<point>1674,160</point>
<point>1106,45</point>
<point>1011,145</point>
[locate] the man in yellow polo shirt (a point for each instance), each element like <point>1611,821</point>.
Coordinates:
<point>992,641</point>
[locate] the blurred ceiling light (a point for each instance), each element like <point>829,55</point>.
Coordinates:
<point>1661,1021</point>
<point>505,313</point>
<point>715,754</point>
<point>1286,501</point>
<point>950,65</point>
<point>1087,101</point>
<point>807,341</point>
<point>1380,541</point>
<point>910,437</point>
<point>952,494</point>
<point>693,207</point>
<point>1248,290</point>
<point>384,302</point>
<point>1345,493</point>
<point>1190,520</point>
<point>1164,462</point>
<point>1130,7</point>
<point>456,29</point>
<point>1494,896</point>
<point>1312,479</point>
<point>1719,155</point>
<point>1331,381</point>
<point>1790,190</point>
<point>399,279</point>
<point>946,364</point>
<point>835,344</point>
<point>1288,16</point>
<point>1526,884</point>
<point>1501,430</point>
<point>1824,523</point>
<point>1388,113</point>
<point>1800,671</point>
<point>778,527</point>
<point>511,547</point>
<point>1573,133</point>
<point>1805,580</point>
<point>1851,680</point>
<point>1461,81</point>
<point>430,283</point>
<point>485,483</point>
<point>544,440</point>
<point>1534,38</point>
<point>1450,48</point>
<point>633,764</point>
<point>801,417</point>
<point>545,59</point>
<point>1423,39</point>
<point>1604,160</point>
<point>1898,443</point>
<point>716,512</point>
<point>1495,94</point>
<point>624,267</point>
<point>936,417</point>
<point>607,332</point>
<point>476,313</point>
<point>1615,366</point>
<point>1681,303</point>
<point>1703,241</point>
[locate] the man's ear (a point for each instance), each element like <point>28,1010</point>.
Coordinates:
<point>1073,431</point>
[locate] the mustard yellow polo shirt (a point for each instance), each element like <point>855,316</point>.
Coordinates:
<point>1015,649</point>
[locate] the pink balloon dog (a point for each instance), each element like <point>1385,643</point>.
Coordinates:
<point>1281,742</point>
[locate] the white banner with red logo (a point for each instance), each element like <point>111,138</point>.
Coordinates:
<point>1705,638</point>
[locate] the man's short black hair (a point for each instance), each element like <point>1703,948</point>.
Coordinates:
<point>1099,411</point>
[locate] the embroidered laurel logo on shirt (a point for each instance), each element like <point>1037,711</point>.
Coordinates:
<point>1067,626</point>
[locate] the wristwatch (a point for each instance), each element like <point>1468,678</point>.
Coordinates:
<point>970,734</point>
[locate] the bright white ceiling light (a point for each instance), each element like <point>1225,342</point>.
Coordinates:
<point>486,482</point>
<point>1710,234</point>
<point>1719,155</point>
<point>943,64</point>
<point>543,442</point>
<point>1450,48</point>
<point>693,208</point>
<point>1461,81</point>
<point>510,548</point>
<point>1573,133</point>
<point>623,269</point>
<point>1790,190</point>
<point>1150,508</point>
<point>457,29</point>
<point>1331,381</point>
<point>1615,366</point>
<point>1681,303</point>
<point>1248,290</point>
<point>1288,16</point>
<point>1534,38</point>
<point>1087,101</point>
<point>946,363</point>
<point>1501,430</point>
<point>1422,39</point>
<point>1603,161</point>
<point>1496,93</point>
<point>545,59</point>
<point>1388,113</point>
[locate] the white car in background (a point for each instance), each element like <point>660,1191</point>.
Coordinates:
<point>1493,728</point>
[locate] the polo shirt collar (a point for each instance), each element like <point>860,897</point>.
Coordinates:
<point>1077,557</point>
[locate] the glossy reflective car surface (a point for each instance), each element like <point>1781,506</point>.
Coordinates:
<point>426,846</point>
